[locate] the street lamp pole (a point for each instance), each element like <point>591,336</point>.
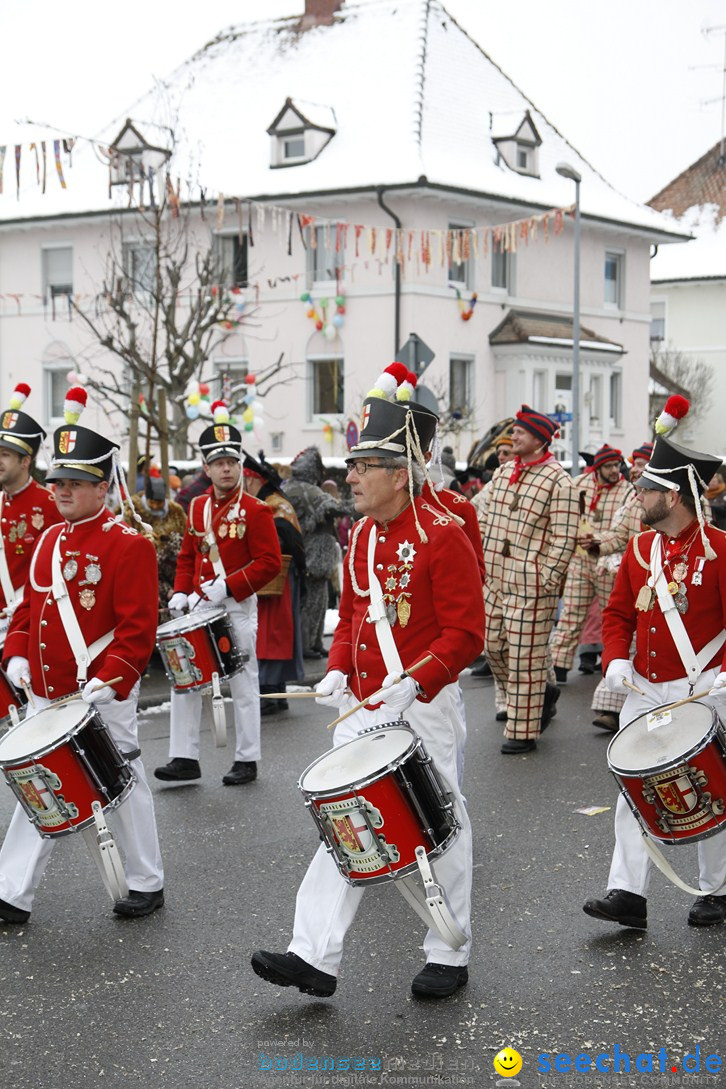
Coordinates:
<point>567,171</point>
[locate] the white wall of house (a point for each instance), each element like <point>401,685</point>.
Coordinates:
<point>37,344</point>
<point>694,324</point>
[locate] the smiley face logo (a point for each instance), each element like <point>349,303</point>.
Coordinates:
<point>508,1062</point>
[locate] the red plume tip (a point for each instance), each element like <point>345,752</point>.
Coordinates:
<point>77,393</point>
<point>411,377</point>
<point>218,404</point>
<point>23,388</point>
<point>398,370</point>
<point>677,406</point>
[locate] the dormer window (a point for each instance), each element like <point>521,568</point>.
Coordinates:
<point>300,132</point>
<point>133,158</point>
<point>518,149</point>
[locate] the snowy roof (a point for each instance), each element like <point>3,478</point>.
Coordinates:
<point>540,327</point>
<point>321,117</point>
<point>426,114</point>
<point>696,203</point>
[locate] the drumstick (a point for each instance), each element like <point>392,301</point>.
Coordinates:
<point>633,688</point>
<point>288,695</point>
<point>28,693</point>
<point>374,695</point>
<point>77,695</point>
<point>688,699</point>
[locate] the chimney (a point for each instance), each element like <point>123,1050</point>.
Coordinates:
<point>319,12</point>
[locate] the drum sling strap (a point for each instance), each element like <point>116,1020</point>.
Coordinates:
<point>210,538</point>
<point>694,665</point>
<point>432,908</point>
<point>83,654</point>
<point>5,580</point>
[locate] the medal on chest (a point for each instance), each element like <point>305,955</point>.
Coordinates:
<point>87,598</point>
<point>645,600</point>
<point>223,530</point>
<point>70,567</point>
<point>396,596</point>
<point>37,520</point>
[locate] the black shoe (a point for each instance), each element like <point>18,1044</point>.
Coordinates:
<point>137,904</point>
<point>268,707</point>
<point>588,662</point>
<point>622,907</point>
<point>178,770</point>
<point>289,970</point>
<point>484,670</point>
<point>501,716</point>
<point>242,771</point>
<point>439,981</point>
<point>552,694</point>
<point>283,705</point>
<point>607,720</point>
<point>312,655</point>
<point>10,914</point>
<point>561,675</point>
<point>707,911</point>
<point>512,745</point>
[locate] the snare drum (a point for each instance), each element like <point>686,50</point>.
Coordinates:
<point>61,761</point>
<point>671,767</point>
<point>377,798</point>
<point>196,646</point>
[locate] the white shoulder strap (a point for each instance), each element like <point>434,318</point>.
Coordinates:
<point>83,654</point>
<point>5,580</point>
<point>214,556</point>
<point>377,612</point>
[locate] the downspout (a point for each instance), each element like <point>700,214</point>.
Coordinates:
<point>397,308</point>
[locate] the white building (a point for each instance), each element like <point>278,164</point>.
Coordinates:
<point>383,124</point>
<point>688,294</point>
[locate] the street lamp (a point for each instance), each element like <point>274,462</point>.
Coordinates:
<point>567,171</point>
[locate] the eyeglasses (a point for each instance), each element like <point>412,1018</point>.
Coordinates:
<point>362,467</point>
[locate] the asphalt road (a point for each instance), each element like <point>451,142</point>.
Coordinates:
<point>87,999</point>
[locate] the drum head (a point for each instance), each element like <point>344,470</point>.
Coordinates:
<point>43,730</point>
<point>636,748</point>
<point>356,760</point>
<point>198,619</point>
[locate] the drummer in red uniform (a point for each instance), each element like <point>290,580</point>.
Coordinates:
<point>671,592</point>
<point>230,550</point>
<point>412,589</point>
<point>88,615</point>
<point>26,507</point>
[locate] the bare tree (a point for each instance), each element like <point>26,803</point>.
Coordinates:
<point>165,307</point>
<point>675,372</point>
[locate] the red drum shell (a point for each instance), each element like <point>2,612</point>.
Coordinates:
<point>679,792</point>
<point>373,825</point>
<point>197,645</point>
<point>68,762</point>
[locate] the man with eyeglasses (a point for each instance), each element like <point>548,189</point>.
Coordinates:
<point>408,594</point>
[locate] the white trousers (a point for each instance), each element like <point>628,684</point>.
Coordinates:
<point>24,854</point>
<point>631,866</point>
<point>186,707</point>
<point>326,903</point>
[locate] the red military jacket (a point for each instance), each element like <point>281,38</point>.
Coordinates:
<point>25,515</point>
<point>656,656</point>
<point>460,506</point>
<point>111,575</point>
<point>247,540</point>
<point>434,594</point>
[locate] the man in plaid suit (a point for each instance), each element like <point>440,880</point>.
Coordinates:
<point>530,534</point>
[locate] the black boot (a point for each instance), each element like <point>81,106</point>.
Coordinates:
<point>552,694</point>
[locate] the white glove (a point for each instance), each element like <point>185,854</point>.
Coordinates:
<point>717,695</point>
<point>399,696</point>
<point>18,670</point>
<point>215,590</point>
<point>193,600</point>
<point>178,603</point>
<point>333,689</point>
<point>619,671</point>
<point>92,693</point>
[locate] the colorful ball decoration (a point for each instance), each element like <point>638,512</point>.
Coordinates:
<point>328,317</point>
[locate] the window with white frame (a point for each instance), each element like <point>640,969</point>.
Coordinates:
<point>139,264</point>
<point>292,145</point>
<point>276,440</point>
<point>55,388</point>
<point>57,272</point>
<point>327,385</point>
<point>461,381</point>
<point>230,253</point>
<point>616,398</point>
<point>324,262</point>
<point>539,391</point>
<point>461,268</point>
<point>657,321</point>
<point>502,270</point>
<point>228,383</point>
<point>613,290</point>
<point>595,399</point>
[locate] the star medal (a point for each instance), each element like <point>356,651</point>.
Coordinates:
<point>406,552</point>
<point>390,584</point>
<point>644,600</point>
<point>38,520</point>
<point>696,578</point>
<point>93,573</point>
<point>680,571</point>
<point>404,611</point>
<point>70,569</point>
<point>223,530</point>
<point>22,527</point>
<point>87,598</point>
